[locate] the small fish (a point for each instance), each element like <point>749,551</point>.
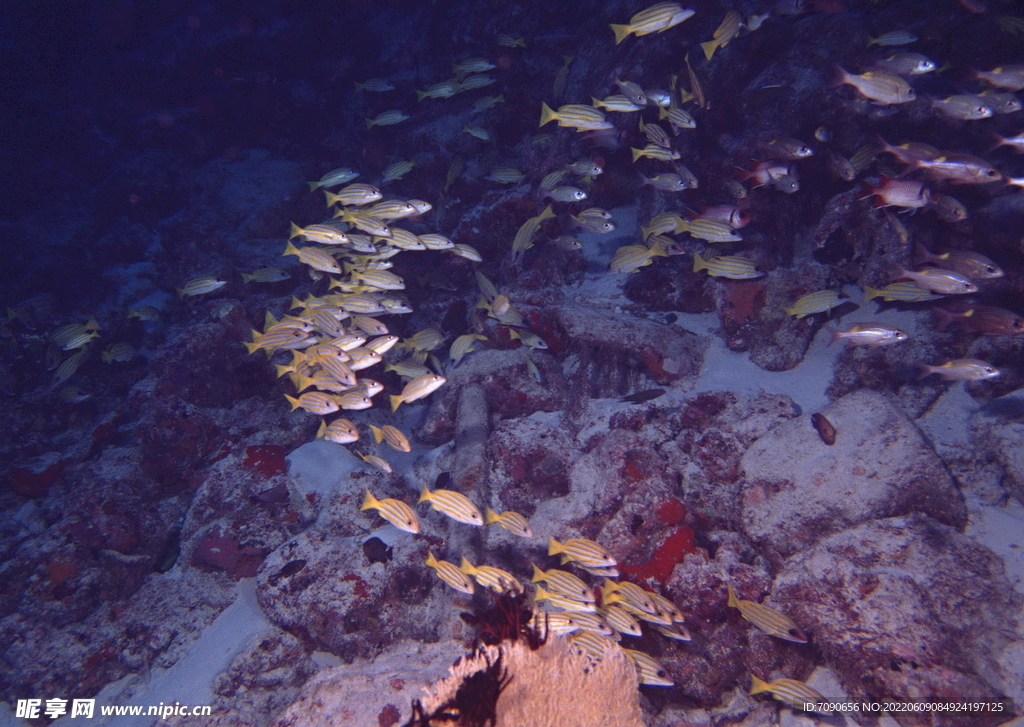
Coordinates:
<point>426,340</point>
<point>617,103</point>
<point>463,345</point>
<point>453,504</point>
<point>620,620</point>
<point>507,41</point>
<point>375,461</point>
<point>340,431</point>
<point>565,583</point>
<point>583,551</point>
<point>839,166</point>
<point>531,368</point>
<point>472,65</point>
<point>1009,77</point>
<point>356,195</point>
<point>377,85</point>
<point>1001,103</point>
<point>630,258</point>
<point>477,132</point>
<point>563,602</point>
<point>734,267</point>
<point>505,175</point>
<point>642,396</point>
<point>894,37</point>
<point>824,428</point>
<point>392,435</point>
<point>467,251</point>
<point>648,670</point>
<point>498,580</point>
<point>794,693</point>
<point>335,176</point>
<point>477,80</point>
<point>871,335</point>
<point>509,520</point>
<point>963,107</point>
<point>907,193</point>
<point>986,319</point>
<point>969,264</point>
<point>436,241</point>
<point>786,147</point>
<point>670,182</point>
<point>450,574</point>
<point>575,116</point>
<point>485,103</point>
<point>144,313</point>
<point>564,623</point>
<point>314,257</point>
<point>585,168</point>
<point>655,19</point>
<point>266,275</point>
<point>653,151</point>
<point>678,119</point>
<point>949,209</point>
<point>567,194</point>
<point>118,352</point>
<point>387,118</point>
<point>712,230</point>
<point>884,88</point>
<point>961,369</point>
<point>633,92</point>
<point>528,230</point>
<point>75,340</point>
<point>69,366</point>
<point>558,88</point>
<point>726,31</point>
<point>960,169</point>
<point>397,170</point>
<point>937,280</point>
<point>906,291</point>
<point>592,644</point>
<point>906,64</point>
<point>767,619</point>
<point>202,285</point>
<point>394,511</point>
<point>820,301</point>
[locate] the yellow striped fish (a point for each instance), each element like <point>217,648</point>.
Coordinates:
<point>648,671</point>
<point>354,195</point>
<point>819,301</point>
<point>616,102</point>
<point>394,511</point>
<point>528,230</point>
<point>505,175</point>
<point>726,31</point>
<point>201,285</point>
<point>314,257</point>
<point>655,19</point>
<point>335,176</point>
<point>678,118</point>
<point>564,583</point>
<point>767,619</point>
<point>575,116</point>
<point>387,118</point>
<point>323,233</point>
<point>436,241</point>
<point>582,551</point>
<point>463,345</point>
<point>450,574</point>
<point>563,602</point>
<point>727,266</point>
<point>511,521</point>
<point>711,230</point>
<point>467,251</point>
<point>396,170</point>
<point>653,151</point>
<point>393,436</point>
<point>496,579</point>
<point>627,593</point>
<point>592,644</point>
<point>340,431</point>
<point>620,619</point>
<point>453,504</point>
<point>315,402</point>
<point>906,291</point>
<point>375,461</point>
<point>792,692</point>
<point>392,209</point>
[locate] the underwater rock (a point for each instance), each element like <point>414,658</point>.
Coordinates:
<point>339,602</point>
<point>264,678</point>
<point>613,348</point>
<point>906,609</point>
<point>361,693</point>
<point>998,429</point>
<point>880,466</point>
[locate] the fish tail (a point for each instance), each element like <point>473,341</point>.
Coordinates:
<point>621,31</point>
<point>369,501</point>
<point>420,95</point>
<point>378,434</point>
<point>699,263</point>
<point>431,560</point>
<point>758,685</point>
<point>924,370</point>
<point>295,230</point>
<point>313,186</point>
<point>321,430</point>
<point>944,318</point>
<point>596,102</point>
<point>733,601</point>
<point>466,567</point>
<point>290,249</point>
<point>547,214</point>
<point>839,76</point>
<point>538,574</point>
<point>293,401</point>
<point>246,277</point>
<point>709,48</point>
<point>870,293</point>
<point>491,517</point>
<point>370,123</point>
<point>181,294</point>
<point>424,495</point>
<point>546,114</point>
<point>637,153</point>
<point>395,402</point>
<point>554,547</point>
<point>833,335</point>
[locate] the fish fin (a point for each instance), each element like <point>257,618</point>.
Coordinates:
<point>396,401</point>
<point>621,31</point>
<point>369,501</point>
<point>370,123</point>
<point>833,335</point>
<point>733,601</point>
<point>424,495</point>
<point>758,685</point>
<point>546,114</point>
<point>709,48</point>
<point>924,370</point>
<point>636,152</point>
<point>554,547</point>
